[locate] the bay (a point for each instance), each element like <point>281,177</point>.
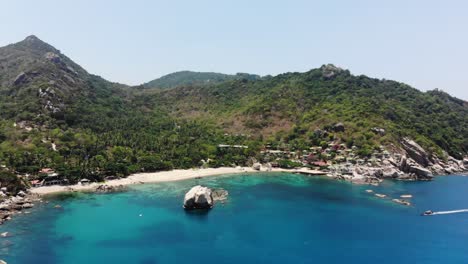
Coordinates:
<point>268,218</point>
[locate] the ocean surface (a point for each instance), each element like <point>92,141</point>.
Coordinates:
<point>268,218</point>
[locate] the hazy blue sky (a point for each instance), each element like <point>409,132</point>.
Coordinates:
<point>422,43</point>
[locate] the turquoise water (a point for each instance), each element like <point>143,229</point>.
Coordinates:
<point>268,218</point>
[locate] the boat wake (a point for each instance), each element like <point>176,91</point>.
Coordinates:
<point>450,212</point>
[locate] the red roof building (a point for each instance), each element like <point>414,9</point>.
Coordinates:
<point>320,163</point>
<point>46,170</point>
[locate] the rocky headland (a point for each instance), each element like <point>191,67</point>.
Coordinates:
<point>18,203</point>
<point>410,163</point>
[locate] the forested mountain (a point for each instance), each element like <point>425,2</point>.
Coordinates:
<point>38,83</point>
<point>55,114</point>
<point>290,107</point>
<point>189,78</point>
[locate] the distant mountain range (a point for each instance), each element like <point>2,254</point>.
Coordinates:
<point>56,114</point>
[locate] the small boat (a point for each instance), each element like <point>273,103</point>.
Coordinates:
<point>428,212</point>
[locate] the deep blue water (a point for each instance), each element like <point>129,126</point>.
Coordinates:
<point>285,218</point>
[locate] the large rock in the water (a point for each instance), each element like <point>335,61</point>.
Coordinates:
<point>421,172</point>
<point>410,166</point>
<point>437,169</point>
<point>104,188</point>
<point>219,195</point>
<point>198,197</point>
<point>257,166</point>
<point>390,172</point>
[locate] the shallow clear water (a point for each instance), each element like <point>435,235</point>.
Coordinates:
<point>268,218</point>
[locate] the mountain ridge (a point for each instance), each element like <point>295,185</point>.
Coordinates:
<point>285,99</point>
<point>56,114</point>
<point>192,78</point>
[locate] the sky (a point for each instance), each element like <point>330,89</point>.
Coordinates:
<point>421,43</point>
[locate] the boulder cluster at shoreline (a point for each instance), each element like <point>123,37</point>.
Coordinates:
<point>411,163</point>
<point>17,204</point>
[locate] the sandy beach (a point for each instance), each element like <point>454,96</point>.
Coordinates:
<point>141,178</point>
<point>162,176</point>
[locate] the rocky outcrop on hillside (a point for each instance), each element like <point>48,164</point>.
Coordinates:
<point>339,127</point>
<point>330,70</point>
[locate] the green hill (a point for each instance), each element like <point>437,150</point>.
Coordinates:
<point>290,107</point>
<point>189,78</point>
<point>40,85</point>
<point>55,114</point>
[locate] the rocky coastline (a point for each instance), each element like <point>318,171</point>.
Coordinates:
<point>411,163</point>
<point>17,204</point>
<point>104,188</point>
<point>408,163</point>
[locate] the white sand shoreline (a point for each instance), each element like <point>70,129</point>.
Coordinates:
<point>153,177</point>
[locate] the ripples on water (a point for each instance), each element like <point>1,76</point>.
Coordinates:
<point>268,218</point>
